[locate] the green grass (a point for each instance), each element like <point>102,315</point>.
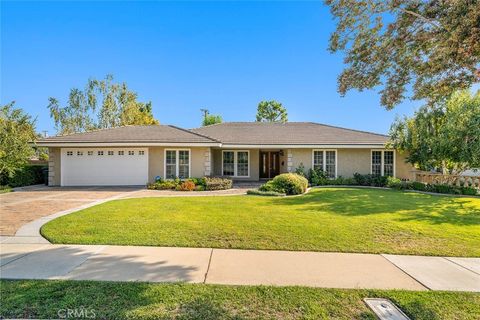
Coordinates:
<point>43,299</point>
<point>326,219</point>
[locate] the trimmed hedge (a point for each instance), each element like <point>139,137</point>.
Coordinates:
<point>26,176</point>
<point>288,183</point>
<point>396,183</point>
<point>218,183</point>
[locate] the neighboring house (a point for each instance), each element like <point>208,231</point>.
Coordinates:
<point>135,155</point>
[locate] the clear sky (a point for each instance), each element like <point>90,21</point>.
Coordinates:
<point>183,56</point>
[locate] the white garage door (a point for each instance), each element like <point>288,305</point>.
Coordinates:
<point>104,166</point>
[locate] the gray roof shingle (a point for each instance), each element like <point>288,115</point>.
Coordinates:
<point>232,133</point>
<point>133,134</point>
<point>290,133</point>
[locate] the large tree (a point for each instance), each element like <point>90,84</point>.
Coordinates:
<point>101,104</point>
<point>17,132</point>
<point>271,111</point>
<point>445,136</point>
<point>431,47</point>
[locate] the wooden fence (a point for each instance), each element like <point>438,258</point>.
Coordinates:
<point>450,179</point>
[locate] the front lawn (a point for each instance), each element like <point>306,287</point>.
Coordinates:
<point>108,300</point>
<point>326,219</point>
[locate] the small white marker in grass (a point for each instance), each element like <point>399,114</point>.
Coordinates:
<point>384,309</point>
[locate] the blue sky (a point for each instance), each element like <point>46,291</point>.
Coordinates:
<point>183,56</point>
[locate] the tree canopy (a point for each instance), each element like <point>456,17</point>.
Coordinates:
<point>101,104</point>
<point>271,111</point>
<point>210,119</point>
<point>17,131</point>
<point>444,136</point>
<point>431,47</point>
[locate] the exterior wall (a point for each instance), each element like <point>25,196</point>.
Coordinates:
<point>54,165</point>
<point>156,162</point>
<point>254,164</point>
<point>404,170</point>
<point>350,161</point>
<point>206,161</point>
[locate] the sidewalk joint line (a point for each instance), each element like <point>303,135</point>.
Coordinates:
<point>24,255</point>
<point>447,258</point>
<point>208,267</point>
<point>408,274</point>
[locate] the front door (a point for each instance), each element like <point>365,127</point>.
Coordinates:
<point>269,164</point>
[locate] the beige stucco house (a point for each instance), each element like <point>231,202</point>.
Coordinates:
<point>250,151</point>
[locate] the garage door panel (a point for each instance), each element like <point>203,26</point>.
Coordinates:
<point>89,168</point>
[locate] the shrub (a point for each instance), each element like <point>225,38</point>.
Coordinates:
<point>5,189</point>
<point>341,181</point>
<point>217,183</point>
<point>187,185</point>
<point>300,170</point>
<point>163,185</point>
<point>317,177</point>
<point>394,183</point>
<point>265,193</point>
<point>290,183</point>
<point>420,186</point>
<point>370,180</point>
<point>470,191</point>
<point>199,181</point>
<point>26,176</point>
<point>199,188</point>
<point>268,186</point>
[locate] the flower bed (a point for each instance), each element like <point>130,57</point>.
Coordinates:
<point>192,184</point>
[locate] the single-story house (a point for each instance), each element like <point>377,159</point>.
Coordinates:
<point>250,151</point>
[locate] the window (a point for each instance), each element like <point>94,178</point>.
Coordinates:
<point>99,153</point>
<point>388,163</point>
<point>110,153</point>
<point>69,153</point>
<point>79,153</point>
<point>171,164</point>
<point>90,153</point>
<point>236,163</point>
<point>383,162</point>
<point>141,153</point>
<point>325,160</point>
<point>330,163</point>
<point>377,163</point>
<point>228,163</point>
<point>318,160</point>
<point>242,164</point>
<point>121,153</point>
<point>177,164</point>
<point>183,164</point>
<point>131,153</point>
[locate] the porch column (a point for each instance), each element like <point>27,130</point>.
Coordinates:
<point>289,160</point>
<point>208,163</point>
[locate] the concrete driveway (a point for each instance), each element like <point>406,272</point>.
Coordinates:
<point>28,204</point>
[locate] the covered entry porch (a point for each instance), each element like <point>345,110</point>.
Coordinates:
<point>249,164</point>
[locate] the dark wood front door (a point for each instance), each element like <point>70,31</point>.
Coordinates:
<point>269,164</point>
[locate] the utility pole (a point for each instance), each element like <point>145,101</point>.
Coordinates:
<point>205,113</point>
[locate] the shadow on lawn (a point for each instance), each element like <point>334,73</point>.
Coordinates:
<point>111,300</point>
<point>408,206</point>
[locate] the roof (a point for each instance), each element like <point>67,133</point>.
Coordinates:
<point>132,134</point>
<point>223,134</point>
<point>290,133</point>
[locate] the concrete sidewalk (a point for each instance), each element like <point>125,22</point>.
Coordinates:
<point>238,267</point>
